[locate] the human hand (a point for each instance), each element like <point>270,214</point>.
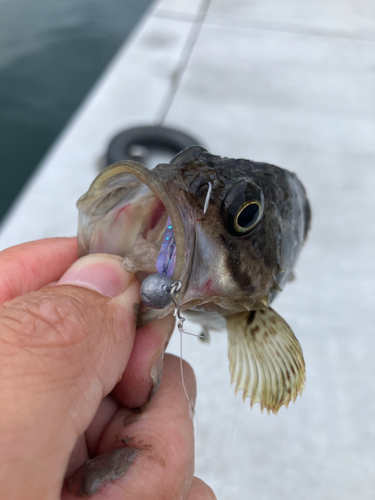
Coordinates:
<point>73,371</point>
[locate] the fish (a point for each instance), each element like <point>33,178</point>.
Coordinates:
<point>229,231</point>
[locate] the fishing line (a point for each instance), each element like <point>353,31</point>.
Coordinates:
<point>175,296</point>
<point>229,445</point>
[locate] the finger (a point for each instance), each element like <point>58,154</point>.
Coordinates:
<point>87,443</point>
<point>79,455</point>
<point>142,376</point>
<point>139,383</point>
<point>62,349</point>
<point>149,455</point>
<point>199,490</point>
<point>107,409</point>
<point>30,266</point>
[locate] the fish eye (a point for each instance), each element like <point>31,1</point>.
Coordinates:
<point>242,208</point>
<point>246,217</point>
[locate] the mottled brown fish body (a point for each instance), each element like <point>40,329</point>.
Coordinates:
<point>237,228</point>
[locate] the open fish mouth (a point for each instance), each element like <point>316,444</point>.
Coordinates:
<point>127,211</point>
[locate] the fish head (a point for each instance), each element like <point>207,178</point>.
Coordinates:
<point>237,227</point>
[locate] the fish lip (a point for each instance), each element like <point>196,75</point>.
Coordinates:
<point>155,184</point>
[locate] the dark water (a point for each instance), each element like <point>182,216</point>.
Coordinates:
<point>51,53</point>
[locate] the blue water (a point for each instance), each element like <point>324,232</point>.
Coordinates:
<point>51,53</point>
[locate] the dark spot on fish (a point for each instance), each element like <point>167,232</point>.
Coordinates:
<point>254,330</point>
<point>273,320</point>
<point>262,311</point>
<point>292,369</point>
<point>272,330</point>
<point>288,376</point>
<point>234,257</point>
<point>251,317</point>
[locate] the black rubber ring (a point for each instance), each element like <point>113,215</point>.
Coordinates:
<point>148,136</point>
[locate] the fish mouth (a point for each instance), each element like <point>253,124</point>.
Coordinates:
<point>128,211</point>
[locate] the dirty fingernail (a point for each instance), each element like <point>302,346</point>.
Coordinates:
<point>99,272</point>
<point>96,472</point>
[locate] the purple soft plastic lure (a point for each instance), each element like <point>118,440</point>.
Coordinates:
<point>167,257</point>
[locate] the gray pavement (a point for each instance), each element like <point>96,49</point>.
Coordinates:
<point>290,83</point>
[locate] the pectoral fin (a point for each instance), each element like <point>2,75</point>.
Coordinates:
<point>265,358</point>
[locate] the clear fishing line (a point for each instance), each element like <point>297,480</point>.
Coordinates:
<point>229,446</point>
<point>175,296</point>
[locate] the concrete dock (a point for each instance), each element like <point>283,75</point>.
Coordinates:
<point>293,84</point>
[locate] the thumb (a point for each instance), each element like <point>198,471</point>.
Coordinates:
<point>62,349</point>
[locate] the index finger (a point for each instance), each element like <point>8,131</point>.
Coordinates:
<point>28,267</point>
<point>160,442</point>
